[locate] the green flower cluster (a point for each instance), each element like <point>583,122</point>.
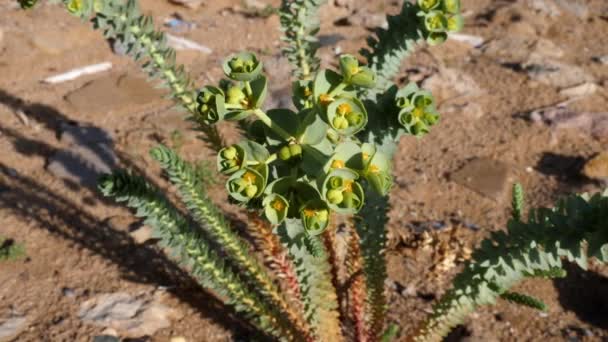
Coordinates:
<point>234,101</point>
<point>416,110</point>
<point>440,17</point>
<point>300,165</point>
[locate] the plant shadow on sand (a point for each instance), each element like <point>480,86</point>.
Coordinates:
<point>65,217</point>
<point>586,294</point>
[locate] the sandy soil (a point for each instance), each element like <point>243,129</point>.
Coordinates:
<point>79,246</point>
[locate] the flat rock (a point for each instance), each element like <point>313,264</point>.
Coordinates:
<point>548,7</point>
<point>11,327</point>
<point>544,48</point>
<point>449,83</point>
<point>556,8</point>
<point>485,176</point>
<point>601,59</point>
<point>556,73</point>
<point>457,91</point>
<point>112,93</point>
<point>83,164</point>
<point>599,130</point>
<point>513,47</point>
<point>574,7</point>
<point>129,315</point>
<point>363,18</point>
<point>581,90</point>
<point>597,167</point>
<point>469,108</point>
<point>558,118</point>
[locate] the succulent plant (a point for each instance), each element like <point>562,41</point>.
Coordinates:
<point>301,169</point>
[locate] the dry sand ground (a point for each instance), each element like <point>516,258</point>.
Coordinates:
<point>454,182</point>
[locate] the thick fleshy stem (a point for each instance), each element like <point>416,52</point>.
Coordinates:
<point>277,259</point>
<point>356,290</point>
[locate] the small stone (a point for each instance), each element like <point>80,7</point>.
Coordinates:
<point>573,120</point>
<point>555,73</point>
<point>110,332</point>
<point>142,234</point>
<point>68,292</point>
<point>58,41</point>
<point>581,90</point>
<point>485,176</point>
<point>575,7</point>
<point>546,48</point>
<point>450,83</point>
<point>594,124</point>
<point>601,59</point>
<point>119,48</point>
<point>597,167</point>
<point>365,19</point>
<point>11,327</point>
<point>474,41</point>
<point>469,109</point>
<point>193,4</point>
<point>547,7</point>
<point>129,315</point>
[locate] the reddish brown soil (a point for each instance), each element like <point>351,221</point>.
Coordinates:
<point>75,240</point>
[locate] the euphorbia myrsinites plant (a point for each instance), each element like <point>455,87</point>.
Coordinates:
<point>327,158</point>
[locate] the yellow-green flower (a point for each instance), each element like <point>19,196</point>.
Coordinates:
<point>315,217</point>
